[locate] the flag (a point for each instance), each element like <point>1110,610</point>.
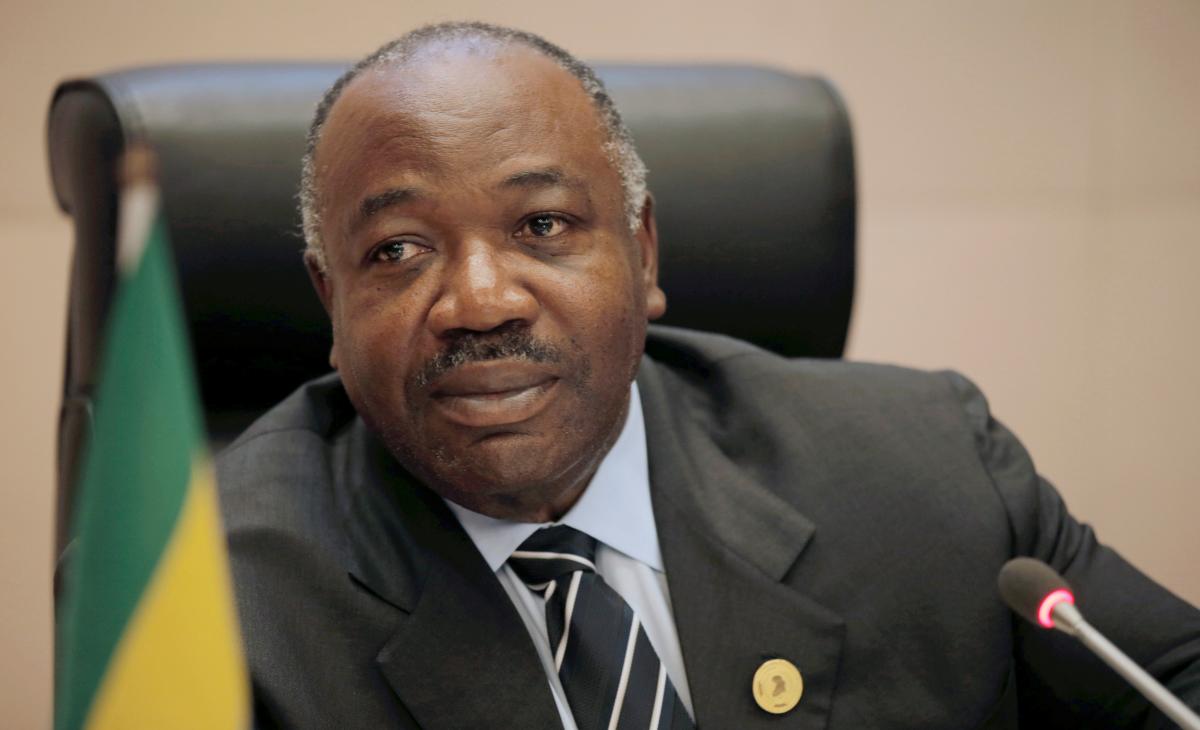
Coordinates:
<point>148,634</point>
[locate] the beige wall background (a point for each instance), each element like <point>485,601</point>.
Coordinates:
<point>1030,215</point>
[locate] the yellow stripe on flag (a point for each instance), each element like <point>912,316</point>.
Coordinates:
<point>178,664</point>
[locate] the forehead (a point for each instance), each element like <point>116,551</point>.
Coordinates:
<point>453,111</point>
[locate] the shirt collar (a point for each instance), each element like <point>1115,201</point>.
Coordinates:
<point>615,508</point>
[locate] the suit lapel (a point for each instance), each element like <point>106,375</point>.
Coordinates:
<point>727,543</point>
<point>463,658</point>
<point>459,655</point>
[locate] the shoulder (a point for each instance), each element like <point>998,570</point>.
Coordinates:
<point>821,434</point>
<point>704,367</point>
<point>281,469</point>
<point>319,407</point>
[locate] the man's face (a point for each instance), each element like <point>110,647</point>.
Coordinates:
<point>488,299</point>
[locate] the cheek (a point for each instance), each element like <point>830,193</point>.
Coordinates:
<point>611,314</point>
<point>373,339</point>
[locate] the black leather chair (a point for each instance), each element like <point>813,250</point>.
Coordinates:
<point>752,169</point>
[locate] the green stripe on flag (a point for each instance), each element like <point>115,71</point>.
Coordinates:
<point>134,477</point>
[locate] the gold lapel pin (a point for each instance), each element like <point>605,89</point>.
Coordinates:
<point>777,686</point>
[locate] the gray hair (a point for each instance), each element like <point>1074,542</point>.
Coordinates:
<point>618,147</point>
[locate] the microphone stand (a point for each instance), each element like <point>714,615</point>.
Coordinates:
<point>1068,620</point>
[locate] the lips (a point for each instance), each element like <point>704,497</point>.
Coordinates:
<point>494,392</point>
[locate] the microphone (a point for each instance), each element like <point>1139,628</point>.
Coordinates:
<point>1038,594</point>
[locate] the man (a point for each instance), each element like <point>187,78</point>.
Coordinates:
<point>737,540</point>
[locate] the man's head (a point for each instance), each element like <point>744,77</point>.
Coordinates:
<point>619,143</point>
<point>479,233</point>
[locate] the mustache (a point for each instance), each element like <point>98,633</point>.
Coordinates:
<point>514,343</point>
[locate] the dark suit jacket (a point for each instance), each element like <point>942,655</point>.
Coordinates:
<point>849,518</point>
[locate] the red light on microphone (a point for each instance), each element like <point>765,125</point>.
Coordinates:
<point>1046,608</point>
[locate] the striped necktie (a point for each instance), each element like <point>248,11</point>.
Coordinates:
<point>610,672</point>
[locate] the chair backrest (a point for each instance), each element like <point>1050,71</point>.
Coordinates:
<point>752,170</point>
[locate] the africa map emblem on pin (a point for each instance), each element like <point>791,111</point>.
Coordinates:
<point>777,686</point>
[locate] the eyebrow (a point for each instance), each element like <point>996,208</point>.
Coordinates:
<point>546,177</point>
<point>374,204</point>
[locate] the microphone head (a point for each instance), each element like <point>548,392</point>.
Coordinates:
<point>1032,589</point>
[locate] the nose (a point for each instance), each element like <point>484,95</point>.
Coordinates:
<point>482,290</point>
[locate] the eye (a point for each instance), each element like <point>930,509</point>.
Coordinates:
<point>542,225</point>
<point>396,251</point>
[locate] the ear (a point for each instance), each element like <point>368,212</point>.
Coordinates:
<point>324,288</point>
<point>647,238</point>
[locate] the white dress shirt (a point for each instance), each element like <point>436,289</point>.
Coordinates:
<point>616,510</point>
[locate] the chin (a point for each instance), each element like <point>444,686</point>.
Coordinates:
<point>506,463</point>
<point>512,471</point>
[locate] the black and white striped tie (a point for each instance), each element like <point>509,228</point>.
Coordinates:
<point>611,674</point>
